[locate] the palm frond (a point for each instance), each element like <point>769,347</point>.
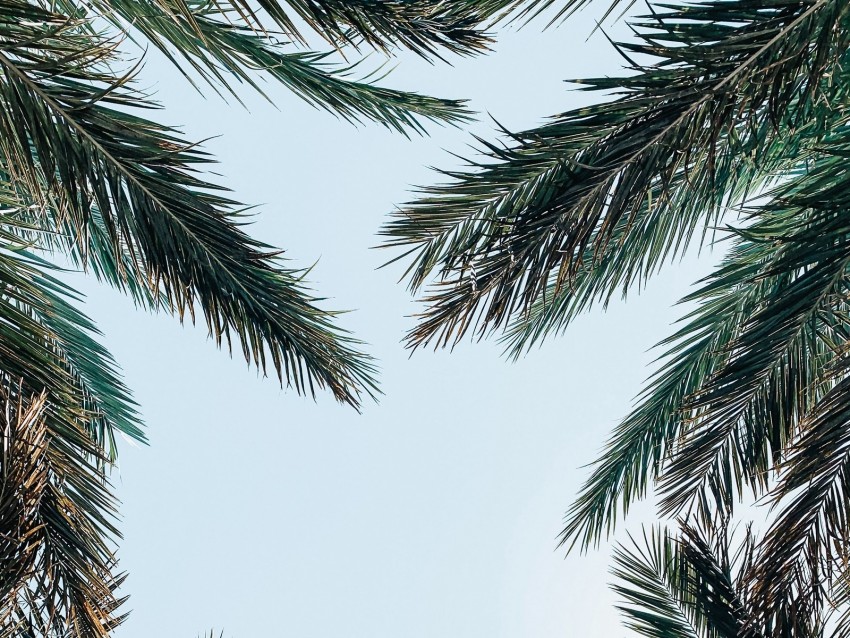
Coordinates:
<point>640,447</point>
<point>649,588</point>
<point>222,49</point>
<point>806,547</point>
<point>503,233</point>
<point>785,331</point>
<point>425,26</point>
<point>56,566</point>
<point>186,238</point>
<point>705,575</point>
<point>657,233</point>
<point>684,585</point>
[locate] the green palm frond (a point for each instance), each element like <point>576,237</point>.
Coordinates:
<point>50,344</point>
<point>424,26</point>
<point>47,228</point>
<point>729,79</point>
<point>222,50</point>
<point>783,333</point>
<point>746,367</point>
<point>657,233</point>
<point>649,588</point>
<point>186,238</point>
<point>686,585</point>
<point>637,451</point>
<point>780,364</point>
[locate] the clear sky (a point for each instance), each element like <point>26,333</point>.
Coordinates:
<point>435,512</point>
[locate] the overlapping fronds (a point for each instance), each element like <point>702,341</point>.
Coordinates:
<point>127,195</point>
<point>223,49</point>
<point>684,586</point>
<point>56,561</point>
<point>789,344</point>
<point>85,172</point>
<point>697,584</point>
<point>807,543</point>
<point>768,396</point>
<point>732,128</point>
<point>647,584</point>
<point>641,443</point>
<point>738,95</point>
<point>727,80</point>
<point>423,26</point>
<point>750,381</point>
<point>62,402</point>
<point>184,238</point>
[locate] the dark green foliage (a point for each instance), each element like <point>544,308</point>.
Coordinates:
<point>548,210</point>
<point>85,173</point>
<point>731,127</point>
<point>698,584</point>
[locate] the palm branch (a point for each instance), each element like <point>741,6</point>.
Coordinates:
<point>86,173</point>
<point>732,129</point>
<point>697,583</point>
<point>729,78</point>
<point>60,401</point>
<point>684,586</point>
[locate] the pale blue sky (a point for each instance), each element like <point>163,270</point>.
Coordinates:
<point>432,514</point>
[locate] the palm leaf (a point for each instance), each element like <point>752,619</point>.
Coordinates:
<point>787,325</point>
<point>222,49</point>
<point>503,233</point>
<point>186,238</point>
<point>650,590</point>
<point>54,510</point>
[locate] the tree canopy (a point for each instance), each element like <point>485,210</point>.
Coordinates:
<point>728,128</point>
<point>87,176</point>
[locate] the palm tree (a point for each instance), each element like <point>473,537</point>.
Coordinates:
<point>85,174</point>
<point>696,584</point>
<point>731,128</point>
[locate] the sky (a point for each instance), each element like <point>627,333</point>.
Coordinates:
<point>435,512</point>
